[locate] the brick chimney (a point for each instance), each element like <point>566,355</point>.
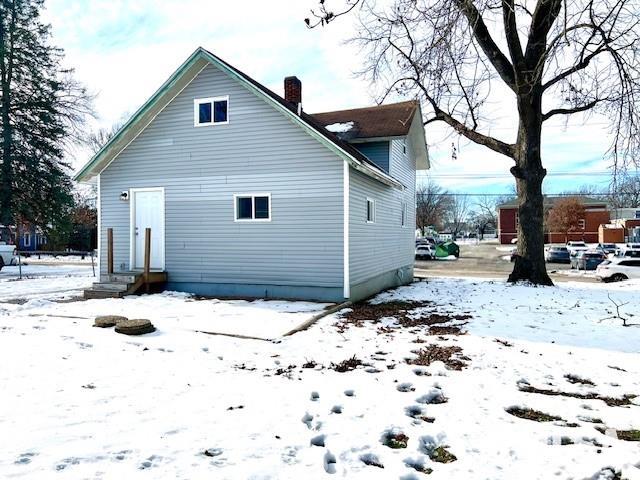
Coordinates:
<point>293,90</point>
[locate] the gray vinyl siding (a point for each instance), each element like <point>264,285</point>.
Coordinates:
<point>260,150</point>
<point>384,246</point>
<point>377,152</point>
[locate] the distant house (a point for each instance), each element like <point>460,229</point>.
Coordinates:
<point>30,237</point>
<point>629,220</point>
<point>596,214</point>
<point>248,195</point>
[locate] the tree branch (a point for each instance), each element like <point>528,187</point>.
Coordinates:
<point>511,32</point>
<point>480,32</point>
<point>581,65</point>
<point>477,137</point>
<point>544,16</point>
<point>570,111</point>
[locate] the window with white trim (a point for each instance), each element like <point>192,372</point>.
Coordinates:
<point>581,224</point>
<point>371,210</point>
<point>26,239</point>
<point>210,111</point>
<point>255,207</point>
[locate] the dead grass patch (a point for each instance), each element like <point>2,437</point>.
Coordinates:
<point>626,435</point>
<point>610,401</point>
<point>401,310</point>
<point>531,414</point>
<point>579,380</point>
<point>346,365</point>
<point>395,440</point>
<point>442,455</point>
<point>451,356</point>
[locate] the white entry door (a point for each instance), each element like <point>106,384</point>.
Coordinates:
<point>147,211</point>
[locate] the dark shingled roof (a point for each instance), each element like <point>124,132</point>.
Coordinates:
<point>392,120</point>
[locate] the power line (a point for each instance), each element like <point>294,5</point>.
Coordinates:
<point>515,195</point>
<point>457,176</point>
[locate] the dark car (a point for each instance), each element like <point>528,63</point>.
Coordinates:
<point>607,248</point>
<point>587,260</point>
<point>557,254</point>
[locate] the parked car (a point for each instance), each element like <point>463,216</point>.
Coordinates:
<point>576,246</point>
<point>607,248</point>
<point>618,268</point>
<point>425,252</point>
<point>556,254</point>
<point>588,260</point>
<point>628,250</point>
<point>425,241</point>
<point>7,254</point>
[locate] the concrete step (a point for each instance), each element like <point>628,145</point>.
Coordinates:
<point>120,277</point>
<point>112,286</point>
<point>100,293</point>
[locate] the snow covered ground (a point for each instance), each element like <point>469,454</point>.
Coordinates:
<point>82,402</point>
<point>65,259</point>
<point>62,280</point>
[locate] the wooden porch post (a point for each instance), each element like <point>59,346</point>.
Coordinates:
<point>147,257</point>
<point>110,251</point>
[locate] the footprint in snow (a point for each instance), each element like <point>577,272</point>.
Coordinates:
<point>435,396</point>
<point>336,409</point>
<point>151,461</point>
<point>25,458</point>
<point>371,460</point>
<point>307,418</point>
<point>406,387</point>
<point>318,441</point>
<point>315,396</point>
<point>212,452</point>
<point>329,462</point>
<point>121,455</point>
<point>349,393</point>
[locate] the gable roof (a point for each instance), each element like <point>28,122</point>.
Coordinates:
<point>391,120</point>
<point>549,201</point>
<point>179,80</point>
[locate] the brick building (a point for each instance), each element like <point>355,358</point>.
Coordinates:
<point>596,214</point>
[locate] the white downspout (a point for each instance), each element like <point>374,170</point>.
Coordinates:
<point>345,240</point>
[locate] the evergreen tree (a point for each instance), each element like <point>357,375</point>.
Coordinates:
<point>43,110</point>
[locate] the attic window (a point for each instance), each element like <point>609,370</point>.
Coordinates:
<point>210,111</point>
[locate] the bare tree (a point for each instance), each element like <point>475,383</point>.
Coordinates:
<point>625,192</point>
<point>98,138</point>
<point>458,214</point>
<point>457,55</point>
<point>432,202</point>
<point>487,207</point>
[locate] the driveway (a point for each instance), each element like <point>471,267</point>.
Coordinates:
<point>487,260</point>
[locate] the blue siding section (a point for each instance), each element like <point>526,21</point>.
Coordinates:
<point>382,252</point>
<point>377,152</point>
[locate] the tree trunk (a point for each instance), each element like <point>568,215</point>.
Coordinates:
<point>529,262</point>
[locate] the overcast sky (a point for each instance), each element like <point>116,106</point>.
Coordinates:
<point>124,50</point>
